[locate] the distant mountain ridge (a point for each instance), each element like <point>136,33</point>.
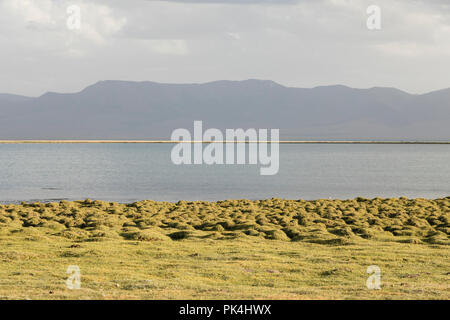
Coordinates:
<point>150,110</point>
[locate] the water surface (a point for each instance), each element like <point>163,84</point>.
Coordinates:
<point>131,172</point>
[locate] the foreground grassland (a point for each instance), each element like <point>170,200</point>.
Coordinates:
<point>236,249</point>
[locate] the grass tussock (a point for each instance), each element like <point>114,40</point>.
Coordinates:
<point>234,249</point>
<point>320,221</point>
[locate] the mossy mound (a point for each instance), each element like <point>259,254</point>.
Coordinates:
<point>145,235</point>
<point>319,221</point>
<point>180,235</point>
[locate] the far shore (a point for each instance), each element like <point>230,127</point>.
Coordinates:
<point>168,141</point>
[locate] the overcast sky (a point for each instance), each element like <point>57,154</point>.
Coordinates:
<point>295,43</point>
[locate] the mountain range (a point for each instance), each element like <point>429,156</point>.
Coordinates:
<point>150,110</point>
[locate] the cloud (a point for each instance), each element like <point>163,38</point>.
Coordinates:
<point>240,2</point>
<point>23,17</point>
<point>297,43</point>
<point>167,47</point>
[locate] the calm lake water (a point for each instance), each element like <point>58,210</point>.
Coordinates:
<point>131,172</point>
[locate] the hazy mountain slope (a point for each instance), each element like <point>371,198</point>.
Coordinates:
<point>149,110</point>
<point>6,97</point>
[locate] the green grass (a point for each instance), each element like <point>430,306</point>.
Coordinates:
<point>236,249</point>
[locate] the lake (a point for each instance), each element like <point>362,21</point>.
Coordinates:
<point>131,172</point>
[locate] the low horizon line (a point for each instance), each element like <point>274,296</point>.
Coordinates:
<point>115,141</point>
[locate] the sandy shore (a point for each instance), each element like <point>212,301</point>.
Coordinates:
<point>168,141</point>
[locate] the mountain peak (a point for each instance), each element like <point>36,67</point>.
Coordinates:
<point>333,87</point>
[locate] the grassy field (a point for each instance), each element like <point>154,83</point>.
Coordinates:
<point>236,249</point>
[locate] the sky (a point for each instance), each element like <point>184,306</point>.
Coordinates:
<point>298,43</point>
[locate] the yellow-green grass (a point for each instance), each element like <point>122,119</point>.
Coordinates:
<point>236,249</point>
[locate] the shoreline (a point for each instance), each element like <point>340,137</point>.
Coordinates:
<point>175,202</point>
<point>175,142</point>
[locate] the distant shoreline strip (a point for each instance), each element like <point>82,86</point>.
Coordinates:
<point>224,141</point>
